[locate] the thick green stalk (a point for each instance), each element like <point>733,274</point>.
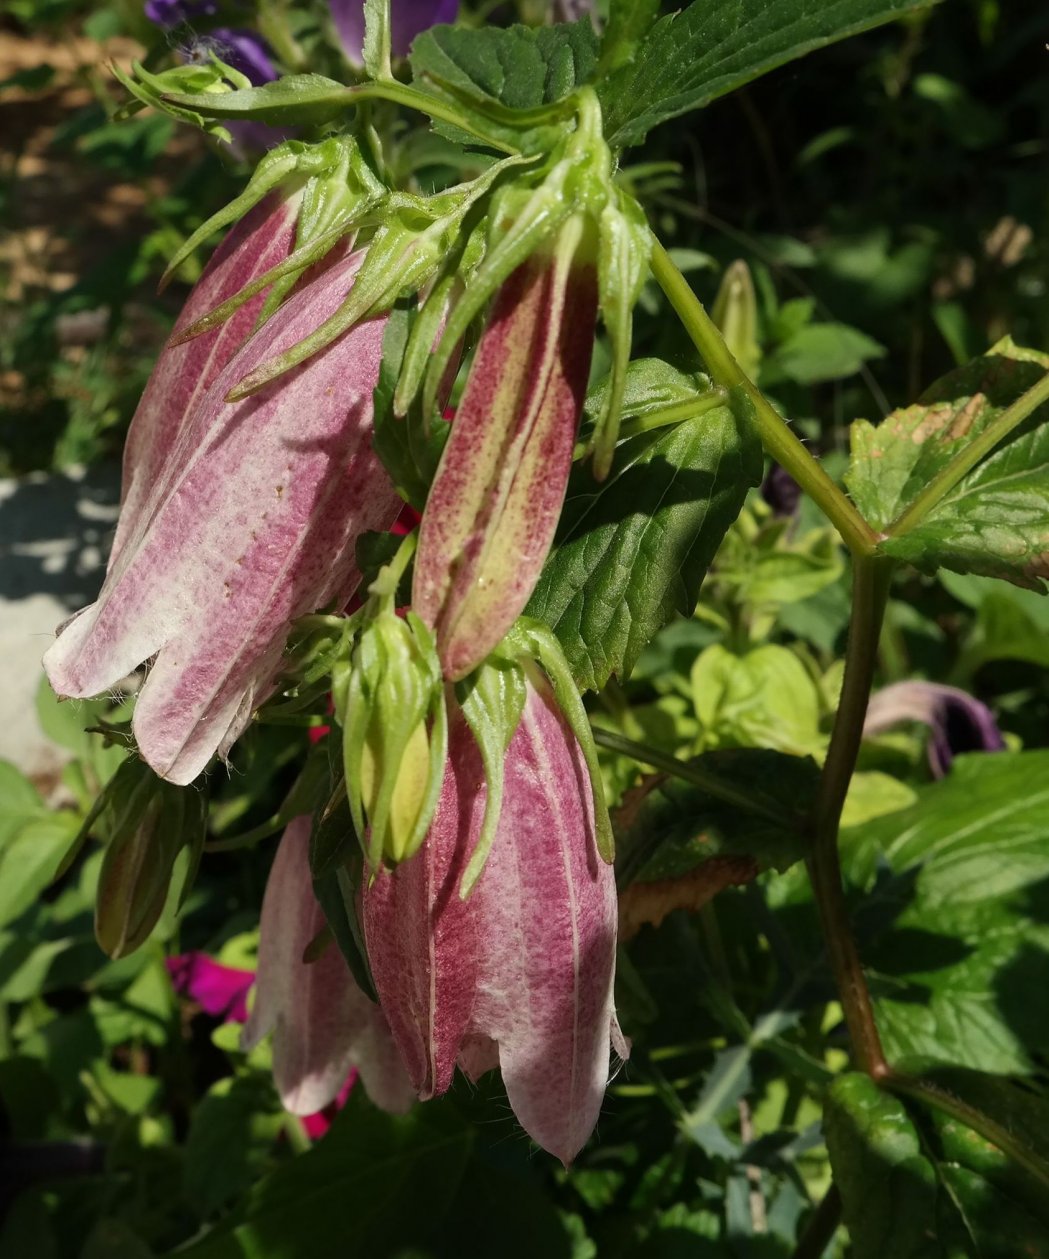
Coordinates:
<point>967,459</point>
<point>776,436</point>
<point>869,594</point>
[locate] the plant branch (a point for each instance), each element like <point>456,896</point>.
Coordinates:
<point>967,459</point>
<point>822,1225</point>
<point>776,435</point>
<point>870,591</point>
<point>941,1099</point>
<point>710,783</point>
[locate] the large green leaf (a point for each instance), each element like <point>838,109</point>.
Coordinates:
<point>996,520</point>
<point>374,1184</point>
<point>916,1183</point>
<point>636,550</point>
<point>955,927</point>
<point>689,59</point>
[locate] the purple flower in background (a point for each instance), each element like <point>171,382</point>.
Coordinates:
<point>175,12</point>
<point>244,51</point>
<point>781,491</point>
<point>958,723</point>
<point>407,17</point>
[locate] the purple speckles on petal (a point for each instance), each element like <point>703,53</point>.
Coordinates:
<point>957,722</point>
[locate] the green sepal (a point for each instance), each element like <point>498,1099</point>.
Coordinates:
<point>492,699</point>
<point>200,81</point>
<point>625,245</point>
<point>532,640</point>
<point>296,100</point>
<point>377,39</point>
<point>410,244</point>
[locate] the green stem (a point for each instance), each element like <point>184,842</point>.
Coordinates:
<point>776,436</point>
<point>710,783</point>
<point>870,592</point>
<point>425,103</point>
<point>676,413</point>
<point>967,459</point>
<point>822,1225</point>
<point>933,1095</point>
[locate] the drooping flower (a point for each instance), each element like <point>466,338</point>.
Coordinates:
<point>253,525</point>
<point>957,722</point>
<point>494,504</point>
<point>322,1024</point>
<point>520,972</point>
<point>407,19</point>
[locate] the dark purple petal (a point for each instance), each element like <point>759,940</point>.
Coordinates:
<point>957,722</point>
<point>245,51</point>
<point>174,12</point>
<point>781,491</point>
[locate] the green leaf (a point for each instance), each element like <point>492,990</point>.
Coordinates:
<point>668,828</point>
<point>690,59</point>
<point>954,924</point>
<point>230,1134</point>
<point>518,67</point>
<point>820,351</point>
<point>636,551</point>
<point>628,21</point>
<point>995,522</point>
<point>33,841</point>
<point>296,100</point>
<point>375,1183</point>
<point>918,1183</point>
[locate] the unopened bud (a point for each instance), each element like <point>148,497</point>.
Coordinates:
<point>735,311</point>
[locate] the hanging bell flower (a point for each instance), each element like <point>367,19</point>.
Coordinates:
<point>518,974</point>
<point>254,526</point>
<point>323,1025</point>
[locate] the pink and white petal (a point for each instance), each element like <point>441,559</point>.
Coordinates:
<point>183,373</point>
<point>549,907</point>
<point>424,942</point>
<point>258,528</point>
<point>323,1025</point>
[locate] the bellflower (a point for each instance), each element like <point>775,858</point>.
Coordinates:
<point>407,19</point>
<point>322,1024</point>
<point>252,524</point>
<point>494,504</point>
<point>957,722</point>
<point>518,974</point>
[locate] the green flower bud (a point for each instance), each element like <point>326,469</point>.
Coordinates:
<point>735,311</point>
<point>149,822</point>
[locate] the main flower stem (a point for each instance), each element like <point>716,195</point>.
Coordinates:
<point>869,594</point>
<point>776,436</point>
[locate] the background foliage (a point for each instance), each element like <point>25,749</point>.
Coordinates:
<point>888,196</point>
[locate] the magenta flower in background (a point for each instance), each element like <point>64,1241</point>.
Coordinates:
<point>322,1024</point>
<point>252,523</point>
<point>407,19</point>
<point>957,722</point>
<point>221,991</point>
<point>520,974</point>
<point>169,13</point>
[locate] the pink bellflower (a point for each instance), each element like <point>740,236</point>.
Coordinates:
<point>246,519</point>
<point>518,974</point>
<point>323,1025</point>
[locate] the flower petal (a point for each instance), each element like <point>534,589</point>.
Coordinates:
<point>262,239</point>
<point>545,992</point>
<point>322,1024</point>
<point>424,942</point>
<point>267,498</point>
<point>494,504</point>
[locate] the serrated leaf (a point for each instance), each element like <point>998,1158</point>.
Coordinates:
<point>995,522</point>
<point>953,927</point>
<point>520,67</point>
<point>691,58</point>
<point>636,551</point>
<point>819,352</point>
<point>917,1183</point>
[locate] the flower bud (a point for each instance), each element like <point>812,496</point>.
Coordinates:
<point>389,698</point>
<point>149,823</point>
<point>735,311</point>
